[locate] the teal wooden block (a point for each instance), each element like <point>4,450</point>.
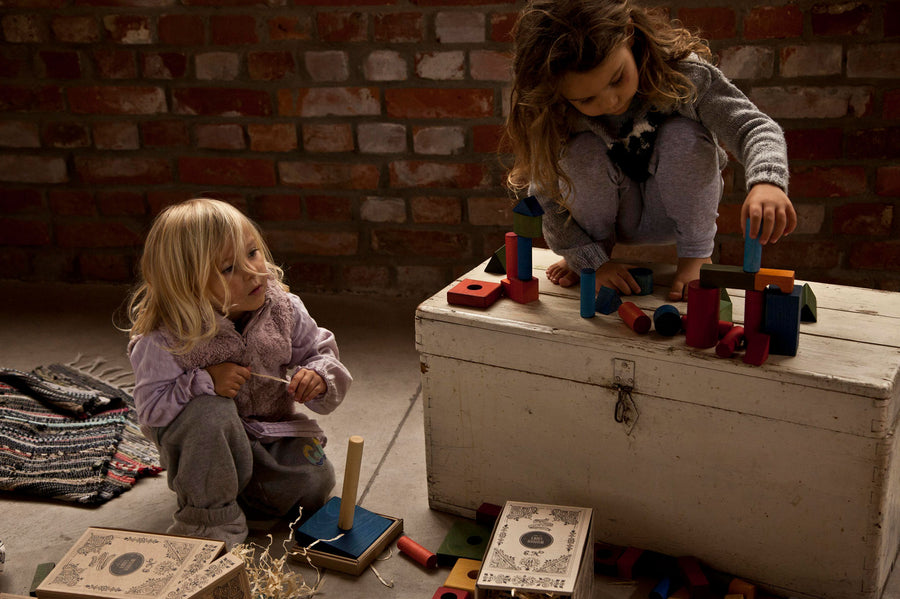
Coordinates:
<point>367,528</point>
<point>467,540</point>
<point>644,278</point>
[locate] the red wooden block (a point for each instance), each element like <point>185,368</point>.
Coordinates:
<point>625,564</point>
<point>606,557</point>
<point>521,291</point>
<point>448,593</point>
<point>730,342</point>
<point>694,577</point>
<point>702,328</point>
<point>723,328</point>
<point>487,514</point>
<point>634,317</point>
<point>754,305</point>
<point>784,279</point>
<point>757,348</point>
<point>512,254</point>
<point>470,292</point>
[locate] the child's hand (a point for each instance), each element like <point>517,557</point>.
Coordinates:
<point>306,385</point>
<point>688,270</point>
<point>768,205</point>
<point>228,377</point>
<point>616,276</point>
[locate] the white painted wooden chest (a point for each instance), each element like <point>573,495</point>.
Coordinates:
<point>786,474</point>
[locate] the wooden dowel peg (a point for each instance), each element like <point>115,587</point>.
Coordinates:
<point>351,482</point>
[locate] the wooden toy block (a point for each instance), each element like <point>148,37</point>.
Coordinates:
<point>588,284</point>
<point>522,292</point>
<point>723,275</point>
<point>723,328</point>
<point>644,278</point>
<point>635,318</point>
<point>782,321</point>
<point>783,279</point>
<point>734,596</point>
<point>463,575</point>
<point>754,309</point>
<point>415,551</point>
<point>752,249</point>
<point>667,320</point>
<point>808,308</point>
<point>608,300</point>
<point>465,539</point>
<point>523,245</point>
<point>605,558</point>
<point>685,593</point>
<point>487,514</point>
<point>662,589</point>
<point>479,294</point>
<point>626,562</point>
<point>742,587</point>
<point>347,537</point>
<point>726,307</point>
<point>448,593</point>
<point>757,348</point>
<point>512,255</point>
<point>731,342</point>
<point>40,573</point>
<point>694,578</point>
<point>527,220</point>
<point>702,316</point>
<point>497,264</point>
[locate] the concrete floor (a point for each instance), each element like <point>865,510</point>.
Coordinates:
<point>55,323</point>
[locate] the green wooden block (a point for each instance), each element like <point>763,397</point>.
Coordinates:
<point>808,307</point>
<point>497,264</point>
<point>465,539</point>
<point>527,226</point>
<point>726,308</point>
<point>40,574</point>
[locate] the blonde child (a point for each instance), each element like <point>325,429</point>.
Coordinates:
<point>614,123</point>
<point>215,334</point>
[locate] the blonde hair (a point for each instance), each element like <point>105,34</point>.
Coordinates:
<point>556,37</point>
<point>181,257</point>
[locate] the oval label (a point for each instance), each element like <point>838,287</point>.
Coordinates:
<point>126,564</point>
<point>536,540</point>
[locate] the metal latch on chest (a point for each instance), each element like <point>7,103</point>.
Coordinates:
<point>626,412</point>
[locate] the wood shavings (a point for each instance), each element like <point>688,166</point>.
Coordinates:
<point>269,576</point>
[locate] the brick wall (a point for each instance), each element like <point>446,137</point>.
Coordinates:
<point>361,134</point>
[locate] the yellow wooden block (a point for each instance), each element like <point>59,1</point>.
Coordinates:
<point>784,279</point>
<point>463,575</point>
<point>742,587</point>
<point>734,596</point>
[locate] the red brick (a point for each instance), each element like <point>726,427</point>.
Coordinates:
<point>221,102</point>
<point>887,181</point>
<point>486,139</point>
<point>883,255</point>
<point>328,137</point>
<point>32,99</point>
<point>18,231</point>
<point>411,173</point>
<point>165,133</point>
<point>863,219</point>
<point>133,171</point>
<point>813,102</point>
<point>105,267</point>
<point>313,243</point>
<point>76,29</point>
<point>436,244</point>
<point>502,26</point>
<point>220,136</point>
<point>773,22</point>
<point>714,22</point>
<point>19,134</point>
<point>164,65</point>
<point>20,201</point>
<point>290,28</point>
<point>181,30</point>
<point>828,182</point>
<point>116,100</point>
<point>873,143</point>
<point>309,276</point>
<point>367,277</point>
<point>15,263</point>
<point>342,27</point>
<point>25,29</point>
<point>273,137</point>
<point>66,135</point>
<point>15,61</point>
<point>112,63</point>
<point>269,66</point>
<point>490,211</point>
<point>399,27</point>
<point>246,172</point>
<point>322,175</point>
<point>96,234</point>
<point>814,144</point>
<point>891,110</point>
<point>891,19</point>
<point>121,203</point>
<point>436,210</point>
<point>841,18</point>
<point>128,29</point>
<point>68,202</point>
<point>278,207</point>
<point>488,65</point>
<point>430,103</point>
<point>33,169</point>
<point>233,29</point>
<point>329,101</point>
<point>329,208</point>
<point>729,220</point>
<point>116,135</point>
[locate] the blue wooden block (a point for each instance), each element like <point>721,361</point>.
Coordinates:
<point>608,300</point>
<point>529,207</point>
<point>588,283</point>
<point>662,588</point>
<point>667,320</point>
<point>752,251</point>
<point>367,527</point>
<point>523,247</point>
<point>782,320</point>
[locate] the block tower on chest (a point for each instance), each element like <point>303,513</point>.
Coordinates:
<point>520,285</point>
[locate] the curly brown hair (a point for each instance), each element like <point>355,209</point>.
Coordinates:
<point>556,37</point>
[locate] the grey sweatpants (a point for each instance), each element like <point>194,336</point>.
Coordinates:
<point>215,468</point>
<point>677,203</point>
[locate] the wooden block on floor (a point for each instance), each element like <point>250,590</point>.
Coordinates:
<point>448,593</point>
<point>465,539</point>
<point>478,294</point>
<point>487,514</point>
<point>464,575</point>
<point>783,279</point>
<point>40,573</point>
<point>782,321</point>
<point>605,558</point>
<point>743,588</point>
<point>523,292</point>
<point>723,275</point>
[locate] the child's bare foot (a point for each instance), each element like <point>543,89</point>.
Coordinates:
<point>560,274</point>
<point>688,270</point>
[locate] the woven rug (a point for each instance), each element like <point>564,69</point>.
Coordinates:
<point>67,433</point>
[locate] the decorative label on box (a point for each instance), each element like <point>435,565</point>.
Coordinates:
<point>538,548</point>
<point>225,578</point>
<point>120,564</point>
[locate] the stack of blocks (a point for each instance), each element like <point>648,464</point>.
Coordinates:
<point>519,284</point>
